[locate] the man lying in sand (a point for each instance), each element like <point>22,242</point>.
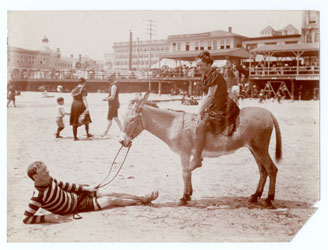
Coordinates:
<point>65,198</point>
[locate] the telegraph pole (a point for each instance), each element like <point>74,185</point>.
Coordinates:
<point>138,65</point>
<point>130,52</point>
<point>150,33</point>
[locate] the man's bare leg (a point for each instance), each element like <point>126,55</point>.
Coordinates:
<point>118,123</point>
<point>109,124</point>
<point>109,201</point>
<point>145,198</point>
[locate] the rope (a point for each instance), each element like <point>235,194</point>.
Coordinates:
<point>102,184</point>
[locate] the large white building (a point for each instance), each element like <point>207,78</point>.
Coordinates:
<point>214,40</point>
<point>140,54</point>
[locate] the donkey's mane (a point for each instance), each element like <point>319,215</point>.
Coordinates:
<point>149,103</point>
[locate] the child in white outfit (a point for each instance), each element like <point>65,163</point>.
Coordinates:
<point>60,115</point>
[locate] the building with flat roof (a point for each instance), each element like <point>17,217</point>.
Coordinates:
<point>140,54</point>
<point>222,45</point>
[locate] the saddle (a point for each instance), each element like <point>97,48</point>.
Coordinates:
<point>223,120</point>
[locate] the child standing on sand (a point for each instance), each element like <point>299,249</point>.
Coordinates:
<point>60,115</point>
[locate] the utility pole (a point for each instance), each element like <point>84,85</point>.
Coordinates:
<point>138,64</point>
<point>150,33</point>
<point>130,52</point>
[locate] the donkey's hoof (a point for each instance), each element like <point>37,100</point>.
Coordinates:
<point>182,202</point>
<point>253,199</point>
<point>268,203</point>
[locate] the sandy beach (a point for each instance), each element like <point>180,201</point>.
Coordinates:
<point>218,212</point>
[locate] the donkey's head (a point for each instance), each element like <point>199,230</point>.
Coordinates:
<point>132,120</point>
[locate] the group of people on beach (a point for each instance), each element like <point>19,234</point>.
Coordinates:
<point>216,113</point>
<point>80,115</point>
<point>61,198</point>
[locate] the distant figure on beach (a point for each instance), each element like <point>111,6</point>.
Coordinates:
<point>60,116</point>
<point>61,198</point>
<point>279,96</point>
<point>262,96</point>
<point>79,109</point>
<point>45,94</point>
<point>11,95</point>
<point>113,106</point>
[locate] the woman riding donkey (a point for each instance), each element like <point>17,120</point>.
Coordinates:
<point>217,111</point>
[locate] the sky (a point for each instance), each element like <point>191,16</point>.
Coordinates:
<point>93,33</point>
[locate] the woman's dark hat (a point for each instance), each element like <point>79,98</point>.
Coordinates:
<point>77,90</point>
<point>81,80</point>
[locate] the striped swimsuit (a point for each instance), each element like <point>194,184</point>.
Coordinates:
<point>58,198</point>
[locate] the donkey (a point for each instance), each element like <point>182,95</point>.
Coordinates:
<point>177,129</point>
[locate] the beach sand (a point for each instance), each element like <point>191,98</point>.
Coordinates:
<point>218,211</point>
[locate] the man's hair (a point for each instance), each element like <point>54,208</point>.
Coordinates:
<point>60,99</point>
<point>31,170</point>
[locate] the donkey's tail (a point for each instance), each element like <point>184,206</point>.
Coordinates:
<point>278,139</point>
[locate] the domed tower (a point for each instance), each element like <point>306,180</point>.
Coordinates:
<point>45,44</point>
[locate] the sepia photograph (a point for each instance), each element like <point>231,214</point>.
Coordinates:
<point>162,125</point>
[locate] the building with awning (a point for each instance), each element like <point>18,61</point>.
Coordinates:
<point>293,65</point>
<point>221,54</point>
<point>222,45</point>
<point>288,50</point>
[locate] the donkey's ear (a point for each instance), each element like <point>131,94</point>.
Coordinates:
<point>145,98</point>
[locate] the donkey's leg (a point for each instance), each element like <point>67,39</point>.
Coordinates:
<point>263,177</point>
<point>271,170</point>
<point>187,192</point>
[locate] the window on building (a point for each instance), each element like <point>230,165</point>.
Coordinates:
<point>317,38</point>
<point>251,46</point>
<point>209,45</point>
<point>270,43</point>
<point>215,45</point>
<point>309,38</point>
<point>201,47</point>
<point>222,44</point>
<point>174,46</point>
<point>187,46</point>
<point>290,42</point>
<point>313,17</point>
<point>196,45</point>
<point>227,44</point>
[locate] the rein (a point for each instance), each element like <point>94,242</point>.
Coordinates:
<point>102,184</point>
<point>77,216</point>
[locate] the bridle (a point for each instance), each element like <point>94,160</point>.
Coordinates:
<point>138,117</point>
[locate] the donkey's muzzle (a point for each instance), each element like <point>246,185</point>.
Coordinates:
<point>125,144</point>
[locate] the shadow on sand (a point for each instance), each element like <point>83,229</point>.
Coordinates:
<point>83,138</point>
<point>237,202</point>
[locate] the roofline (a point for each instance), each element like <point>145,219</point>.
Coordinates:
<point>272,37</point>
<point>202,35</point>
